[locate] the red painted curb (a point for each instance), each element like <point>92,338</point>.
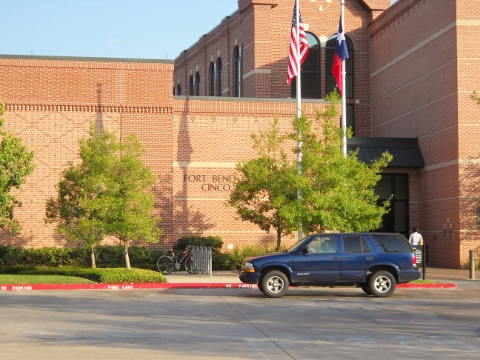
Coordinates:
<point>428,286</point>
<point>205,285</point>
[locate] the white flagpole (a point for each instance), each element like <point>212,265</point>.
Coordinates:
<point>344,96</point>
<point>299,110</point>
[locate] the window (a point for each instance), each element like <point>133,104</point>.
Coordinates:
<point>397,185</point>
<point>237,76</point>
<point>211,74</point>
<point>197,84</point>
<point>355,244</point>
<point>310,71</point>
<point>478,218</point>
<point>219,77</point>
<point>191,86</point>
<point>329,79</point>
<point>323,245</point>
<point>179,90</point>
<point>392,243</point>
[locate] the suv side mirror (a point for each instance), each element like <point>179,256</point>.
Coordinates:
<point>305,250</point>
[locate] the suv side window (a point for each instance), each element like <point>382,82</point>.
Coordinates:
<point>355,244</point>
<point>326,244</point>
<point>392,243</point>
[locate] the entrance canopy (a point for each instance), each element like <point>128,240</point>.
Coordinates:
<point>405,151</point>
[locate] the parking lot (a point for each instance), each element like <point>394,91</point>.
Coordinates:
<point>240,324</point>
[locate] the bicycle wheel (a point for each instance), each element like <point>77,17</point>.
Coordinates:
<point>189,266</point>
<point>165,264</point>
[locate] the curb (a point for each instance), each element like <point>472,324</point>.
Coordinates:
<point>205,285</point>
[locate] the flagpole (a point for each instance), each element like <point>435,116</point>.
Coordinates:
<point>344,96</point>
<point>299,111</point>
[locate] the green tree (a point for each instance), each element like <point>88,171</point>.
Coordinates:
<point>337,191</point>
<point>107,194</point>
<point>16,163</point>
<point>265,193</point>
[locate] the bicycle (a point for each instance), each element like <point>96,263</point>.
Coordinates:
<point>166,264</point>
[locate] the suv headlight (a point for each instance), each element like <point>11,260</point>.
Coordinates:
<point>248,267</point>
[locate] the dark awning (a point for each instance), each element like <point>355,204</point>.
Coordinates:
<point>405,151</point>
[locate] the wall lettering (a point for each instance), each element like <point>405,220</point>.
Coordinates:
<point>217,182</point>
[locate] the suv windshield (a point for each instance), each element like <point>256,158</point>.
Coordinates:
<point>392,243</point>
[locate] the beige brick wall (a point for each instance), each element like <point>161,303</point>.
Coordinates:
<point>50,106</point>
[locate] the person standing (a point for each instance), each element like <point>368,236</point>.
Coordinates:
<point>415,238</point>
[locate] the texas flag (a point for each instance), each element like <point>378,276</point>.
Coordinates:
<point>341,54</point>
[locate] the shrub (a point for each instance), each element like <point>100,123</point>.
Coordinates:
<point>215,242</point>
<point>105,256</point>
<point>234,259</point>
<point>238,255</point>
<point>103,275</point>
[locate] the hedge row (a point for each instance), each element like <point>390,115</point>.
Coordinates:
<point>12,257</point>
<point>103,275</point>
<point>105,256</point>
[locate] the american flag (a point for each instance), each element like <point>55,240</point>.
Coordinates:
<point>293,68</point>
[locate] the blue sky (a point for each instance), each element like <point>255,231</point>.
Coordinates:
<point>143,29</point>
<point>147,29</point>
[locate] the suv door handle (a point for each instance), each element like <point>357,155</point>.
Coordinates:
<point>336,258</point>
<point>369,258</point>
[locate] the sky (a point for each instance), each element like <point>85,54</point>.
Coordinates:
<point>138,29</point>
<point>135,29</point>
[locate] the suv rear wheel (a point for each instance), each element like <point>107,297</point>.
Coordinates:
<point>274,284</point>
<point>382,283</point>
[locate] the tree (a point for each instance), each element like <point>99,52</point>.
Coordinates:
<point>73,208</point>
<point>16,163</point>
<point>107,194</point>
<point>337,191</point>
<point>266,192</point>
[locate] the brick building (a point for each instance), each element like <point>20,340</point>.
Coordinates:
<point>409,78</point>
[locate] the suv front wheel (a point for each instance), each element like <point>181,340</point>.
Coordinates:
<point>382,283</point>
<point>274,284</point>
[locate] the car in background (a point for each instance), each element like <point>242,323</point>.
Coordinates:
<point>375,262</point>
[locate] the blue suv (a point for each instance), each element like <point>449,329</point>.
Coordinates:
<point>375,262</point>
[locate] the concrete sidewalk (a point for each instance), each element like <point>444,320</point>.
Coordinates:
<point>431,273</point>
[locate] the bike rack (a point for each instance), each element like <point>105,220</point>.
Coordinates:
<point>202,259</point>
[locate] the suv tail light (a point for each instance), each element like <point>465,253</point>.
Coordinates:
<point>414,259</point>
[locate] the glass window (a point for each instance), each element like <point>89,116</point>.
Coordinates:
<point>310,71</point>
<point>392,243</point>
<point>397,185</point>
<point>329,79</point>
<point>324,244</point>
<point>211,74</point>
<point>179,90</point>
<point>219,77</point>
<point>197,84</point>
<point>237,72</point>
<point>355,244</point>
<point>191,87</point>
<point>350,117</point>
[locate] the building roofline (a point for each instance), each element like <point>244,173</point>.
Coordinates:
<point>79,58</point>
<point>229,98</point>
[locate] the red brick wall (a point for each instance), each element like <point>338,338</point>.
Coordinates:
<point>424,69</point>
<point>262,30</point>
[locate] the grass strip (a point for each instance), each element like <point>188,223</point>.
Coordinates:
<point>63,275</point>
<point>15,279</point>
